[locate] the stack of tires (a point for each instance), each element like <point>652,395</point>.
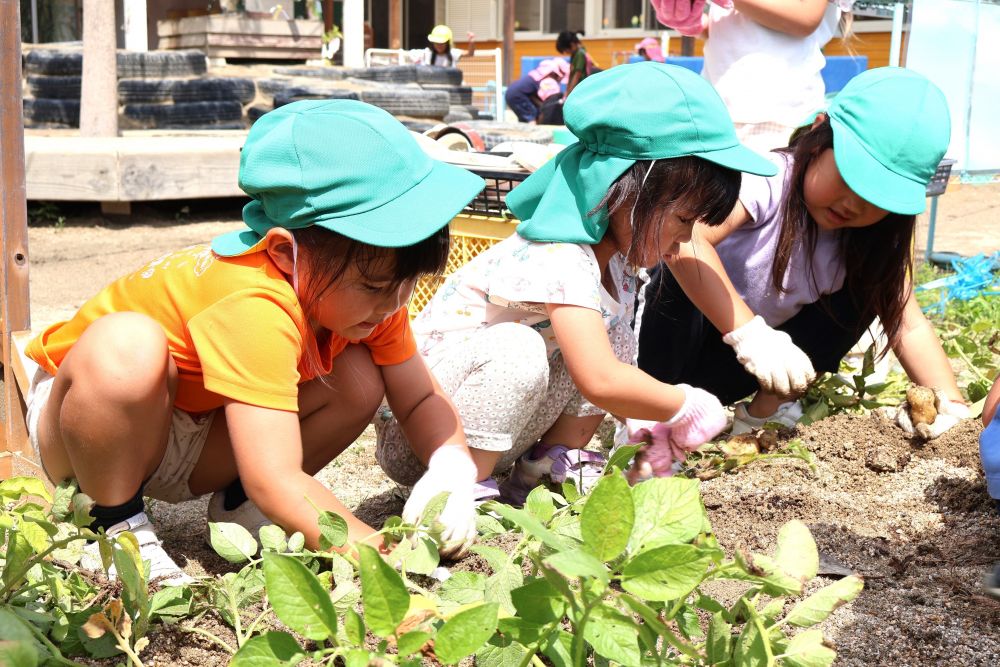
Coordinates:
<point>156,89</point>
<point>417,94</point>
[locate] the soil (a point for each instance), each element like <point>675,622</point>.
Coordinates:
<point>914,520</point>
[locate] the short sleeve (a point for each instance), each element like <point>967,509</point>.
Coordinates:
<point>578,63</point>
<point>761,195</point>
<point>392,341</point>
<point>249,348</point>
<point>539,273</point>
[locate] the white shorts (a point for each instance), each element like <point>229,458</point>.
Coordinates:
<point>184,444</point>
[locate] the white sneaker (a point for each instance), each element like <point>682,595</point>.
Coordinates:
<point>162,568</point>
<point>247,515</point>
<point>787,414</point>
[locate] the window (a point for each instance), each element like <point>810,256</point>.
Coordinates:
<point>549,16</point>
<point>528,16</point>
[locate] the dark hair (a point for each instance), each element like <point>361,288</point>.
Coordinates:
<point>327,255</point>
<point>877,259</point>
<point>566,39</point>
<point>688,186</point>
<point>447,51</point>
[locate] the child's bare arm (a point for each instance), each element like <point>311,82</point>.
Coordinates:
<point>603,380</point>
<point>267,445</point>
<point>798,18</point>
<point>425,412</point>
<point>921,354</point>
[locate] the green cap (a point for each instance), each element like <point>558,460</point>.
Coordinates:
<point>642,111</point>
<point>891,128</point>
<point>348,167</point>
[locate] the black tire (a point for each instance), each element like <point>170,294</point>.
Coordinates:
<point>458,114</point>
<point>55,87</point>
<point>493,133</point>
<point>394,74</point>
<point>47,61</point>
<point>214,89</point>
<point>409,102</point>
<point>458,95</point>
<point>417,125</point>
<point>187,114</point>
<point>332,73</point>
<point>296,94</point>
<point>255,112</point>
<point>161,64</point>
<point>52,112</point>
<point>441,75</point>
<point>145,91</point>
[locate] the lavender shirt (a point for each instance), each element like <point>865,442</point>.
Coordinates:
<point>748,252</point>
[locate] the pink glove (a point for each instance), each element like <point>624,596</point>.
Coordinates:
<point>700,419</point>
<point>684,16</point>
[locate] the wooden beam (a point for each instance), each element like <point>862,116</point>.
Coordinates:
<point>509,19</point>
<point>99,90</point>
<point>395,24</point>
<point>14,299</point>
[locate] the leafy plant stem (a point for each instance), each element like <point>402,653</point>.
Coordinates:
<point>8,589</point>
<point>578,642</point>
<point>57,655</point>
<point>123,645</point>
<point>211,637</point>
<point>254,623</point>
<point>970,365</point>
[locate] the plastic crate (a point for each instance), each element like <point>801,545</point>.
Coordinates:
<point>939,182</point>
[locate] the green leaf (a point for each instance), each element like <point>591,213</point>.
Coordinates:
<point>354,627</point>
<point>806,649</point>
<point>412,642</point>
<point>171,603</point>
<point>773,609</point>
<point>613,635</point>
<point>497,559</point>
<point>578,563</point>
<point>776,582</point>
<point>272,537</point>
<point>232,541</point>
<point>538,601</point>
<point>488,527</point>
<point>528,524</point>
<point>300,601</point>
<point>621,458</point>
<point>687,621</point>
<point>296,542</point>
<point>423,558</point>
<point>332,530</point>
<point>719,645</point>
<point>385,598</point>
<point>82,504</point>
<point>501,583</point>
<point>796,553</point>
<point>559,648</point>
<point>665,573</point>
<point>18,653</point>
<point>18,553</point>
<point>500,652</point>
<point>668,510</point>
<point>16,487</point>
<point>62,501</point>
<point>607,518</point>
<point>35,536</point>
<point>461,589</point>
<point>465,632</point>
<point>271,649</point>
<point>823,602</point>
<point>751,649</point>
<point>539,504</point>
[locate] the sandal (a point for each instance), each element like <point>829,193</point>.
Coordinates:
<point>557,462</point>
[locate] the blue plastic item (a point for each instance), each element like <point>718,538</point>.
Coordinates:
<point>841,69</point>
<point>974,276</point>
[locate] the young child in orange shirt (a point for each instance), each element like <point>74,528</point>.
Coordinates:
<point>243,368</point>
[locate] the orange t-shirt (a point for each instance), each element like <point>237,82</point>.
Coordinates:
<point>234,327</point>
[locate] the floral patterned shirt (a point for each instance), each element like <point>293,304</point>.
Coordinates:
<point>512,282</point>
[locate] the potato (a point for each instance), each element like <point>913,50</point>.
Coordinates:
<point>923,405</point>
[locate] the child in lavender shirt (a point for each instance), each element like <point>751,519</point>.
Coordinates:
<point>808,259</point>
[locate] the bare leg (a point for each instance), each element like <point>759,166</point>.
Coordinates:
<point>332,415</point>
<point>573,432</point>
<point>765,404</point>
<point>108,417</point>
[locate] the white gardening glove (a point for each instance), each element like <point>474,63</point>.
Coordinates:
<point>450,469</point>
<point>949,414</point>
<point>778,364</point>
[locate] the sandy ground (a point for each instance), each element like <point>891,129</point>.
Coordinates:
<point>916,522</point>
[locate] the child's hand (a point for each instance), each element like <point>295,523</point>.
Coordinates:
<point>949,414</point>
<point>684,16</point>
<point>771,356</point>
<point>450,469</point>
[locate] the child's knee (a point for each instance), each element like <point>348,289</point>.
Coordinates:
<point>123,353</point>
<point>356,368</point>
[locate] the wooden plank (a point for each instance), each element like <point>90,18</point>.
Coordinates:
<point>266,41</point>
<point>160,167</point>
<point>261,53</point>
<point>71,168</point>
<point>240,25</point>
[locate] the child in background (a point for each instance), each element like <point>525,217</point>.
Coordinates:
<point>242,369</point>
<point>764,58</point>
<point>649,49</point>
<point>808,259</point>
<point>527,94</point>
<point>580,65</point>
<point>532,338</point>
<point>441,52</point>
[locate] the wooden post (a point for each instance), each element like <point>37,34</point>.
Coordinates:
<point>509,18</point>
<point>395,24</point>
<point>136,37</point>
<point>14,300</point>
<point>327,15</point>
<point>99,91</point>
